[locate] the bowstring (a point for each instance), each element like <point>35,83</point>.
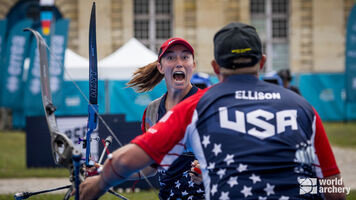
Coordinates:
<point>59,61</point>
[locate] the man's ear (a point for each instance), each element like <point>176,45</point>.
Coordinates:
<point>263,61</point>
<point>216,67</point>
<point>160,68</point>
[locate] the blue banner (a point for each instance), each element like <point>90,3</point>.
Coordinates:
<point>73,101</point>
<point>350,69</point>
<point>326,93</point>
<point>2,36</point>
<point>126,101</point>
<point>57,43</point>
<point>2,47</point>
<point>56,59</point>
<point>11,81</point>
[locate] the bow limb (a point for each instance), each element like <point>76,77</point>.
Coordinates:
<point>62,147</point>
<point>93,86</point>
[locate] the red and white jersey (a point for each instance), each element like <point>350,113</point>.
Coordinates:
<point>252,139</point>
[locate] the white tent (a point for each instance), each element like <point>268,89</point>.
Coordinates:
<point>121,64</point>
<point>76,66</point>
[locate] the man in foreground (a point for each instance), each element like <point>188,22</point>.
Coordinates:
<point>253,140</point>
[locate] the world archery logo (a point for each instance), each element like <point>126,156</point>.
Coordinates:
<point>308,185</point>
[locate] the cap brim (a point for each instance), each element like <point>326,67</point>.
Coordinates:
<point>175,42</point>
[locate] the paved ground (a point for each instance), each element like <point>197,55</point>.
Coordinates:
<point>346,159</point>
<point>11,186</point>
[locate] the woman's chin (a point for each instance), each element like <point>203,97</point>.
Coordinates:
<point>180,85</point>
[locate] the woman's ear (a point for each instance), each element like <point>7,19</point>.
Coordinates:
<point>160,68</point>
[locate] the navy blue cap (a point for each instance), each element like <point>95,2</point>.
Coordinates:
<point>237,40</point>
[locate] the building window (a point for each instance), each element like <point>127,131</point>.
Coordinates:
<point>152,22</point>
<point>270,17</point>
<point>258,6</point>
<point>141,30</point>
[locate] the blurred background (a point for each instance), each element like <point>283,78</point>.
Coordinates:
<point>310,45</point>
<point>313,39</point>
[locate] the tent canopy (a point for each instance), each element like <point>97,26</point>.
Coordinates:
<point>120,65</point>
<point>73,60</point>
<point>76,66</point>
<point>132,54</point>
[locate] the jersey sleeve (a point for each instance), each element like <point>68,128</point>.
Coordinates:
<point>323,150</point>
<point>165,140</point>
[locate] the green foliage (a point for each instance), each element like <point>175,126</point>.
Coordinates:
<point>341,134</point>
<point>13,159</point>
<point>352,195</point>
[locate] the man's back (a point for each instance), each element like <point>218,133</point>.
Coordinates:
<point>257,139</point>
<point>253,140</point>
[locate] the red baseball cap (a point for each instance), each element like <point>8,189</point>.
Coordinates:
<point>173,41</point>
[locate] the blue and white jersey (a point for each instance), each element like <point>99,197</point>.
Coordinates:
<point>253,140</point>
<point>175,183</point>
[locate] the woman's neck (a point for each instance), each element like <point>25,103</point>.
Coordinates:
<point>175,96</point>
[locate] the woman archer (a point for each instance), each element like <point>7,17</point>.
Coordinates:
<point>176,65</point>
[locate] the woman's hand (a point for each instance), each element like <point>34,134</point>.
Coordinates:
<point>195,173</point>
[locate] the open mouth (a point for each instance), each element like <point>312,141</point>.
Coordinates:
<point>178,76</point>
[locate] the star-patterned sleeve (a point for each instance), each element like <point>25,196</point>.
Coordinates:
<point>323,150</point>
<point>165,141</point>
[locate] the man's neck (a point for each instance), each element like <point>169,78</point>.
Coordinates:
<point>222,77</point>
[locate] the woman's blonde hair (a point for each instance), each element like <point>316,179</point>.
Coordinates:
<point>145,78</point>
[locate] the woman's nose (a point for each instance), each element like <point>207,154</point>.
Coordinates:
<point>179,62</point>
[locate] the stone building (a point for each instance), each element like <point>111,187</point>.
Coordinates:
<point>303,35</point>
